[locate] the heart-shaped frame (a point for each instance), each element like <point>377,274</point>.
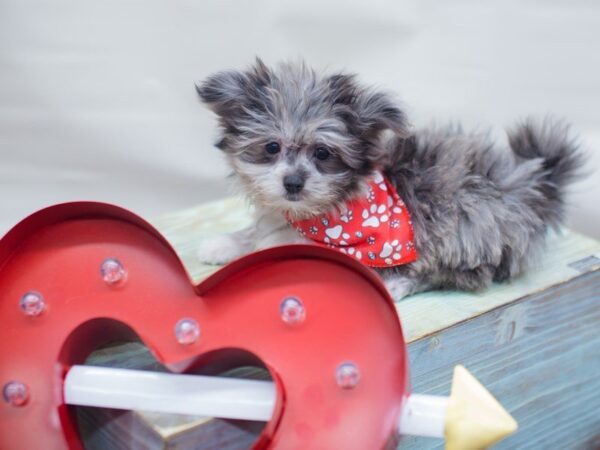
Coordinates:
<point>58,251</point>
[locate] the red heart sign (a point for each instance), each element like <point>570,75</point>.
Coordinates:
<point>56,307</point>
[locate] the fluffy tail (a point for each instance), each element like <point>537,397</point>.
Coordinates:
<point>550,146</point>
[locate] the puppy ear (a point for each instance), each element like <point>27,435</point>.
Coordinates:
<point>368,110</point>
<point>343,89</point>
<point>379,111</point>
<point>223,92</point>
<point>228,93</point>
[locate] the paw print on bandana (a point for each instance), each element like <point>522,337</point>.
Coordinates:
<point>391,251</point>
<point>347,216</point>
<point>344,237</point>
<point>374,228</point>
<point>370,195</point>
<point>379,181</point>
<point>353,252</point>
<point>374,216</point>
<point>334,232</point>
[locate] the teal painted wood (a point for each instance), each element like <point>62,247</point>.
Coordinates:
<point>539,356</point>
<point>569,254</point>
<point>534,342</point>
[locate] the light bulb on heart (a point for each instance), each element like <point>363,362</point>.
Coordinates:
<point>76,276</point>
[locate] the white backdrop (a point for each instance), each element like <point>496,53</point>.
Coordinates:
<point>97,98</point>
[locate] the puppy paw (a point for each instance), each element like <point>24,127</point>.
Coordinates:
<point>219,250</point>
<point>399,287</point>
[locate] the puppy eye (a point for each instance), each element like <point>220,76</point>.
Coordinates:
<point>272,148</point>
<point>322,153</point>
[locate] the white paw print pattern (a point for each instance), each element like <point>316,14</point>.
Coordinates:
<point>347,216</point>
<point>375,215</point>
<point>380,181</point>
<point>370,195</point>
<point>370,230</point>
<point>391,251</point>
<point>334,232</point>
<point>356,253</point>
<point>352,252</point>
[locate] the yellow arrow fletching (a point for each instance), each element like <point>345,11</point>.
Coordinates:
<point>474,418</point>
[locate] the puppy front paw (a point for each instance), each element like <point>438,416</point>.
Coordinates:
<point>399,287</point>
<point>219,250</point>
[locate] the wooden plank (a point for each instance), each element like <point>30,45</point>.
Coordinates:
<point>421,314</point>
<point>428,312</point>
<point>540,356</point>
<point>531,341</point>
<point>185,229</point>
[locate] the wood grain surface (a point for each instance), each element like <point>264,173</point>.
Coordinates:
<point>534,342</point>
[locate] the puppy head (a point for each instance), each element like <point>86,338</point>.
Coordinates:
<point>299,143</point>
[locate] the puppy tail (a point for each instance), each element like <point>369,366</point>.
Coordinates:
<point>549,146</point>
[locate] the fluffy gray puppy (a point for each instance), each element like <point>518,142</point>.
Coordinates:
<point>301,144</point>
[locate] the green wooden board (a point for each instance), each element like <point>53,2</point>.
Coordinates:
<point>539,356</point>
<point>421,314</point>
<point>534,342</point>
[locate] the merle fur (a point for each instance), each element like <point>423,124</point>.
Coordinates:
<point>480,210</point>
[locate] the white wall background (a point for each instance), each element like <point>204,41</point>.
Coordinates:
<point>97,98</point>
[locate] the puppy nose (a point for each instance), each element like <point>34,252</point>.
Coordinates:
<point>293,183</point>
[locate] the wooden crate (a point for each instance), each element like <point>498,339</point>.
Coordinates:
<point>534,342</point>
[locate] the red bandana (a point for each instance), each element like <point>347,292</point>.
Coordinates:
<point>375,229</point>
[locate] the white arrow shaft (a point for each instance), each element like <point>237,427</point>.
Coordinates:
<point>230,398</point>
<point>170,393</point>
<point>424,415</point>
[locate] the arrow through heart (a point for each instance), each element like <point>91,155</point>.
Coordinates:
<point>57,306</point>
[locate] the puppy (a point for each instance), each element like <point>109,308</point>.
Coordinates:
<point>325,160</point>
